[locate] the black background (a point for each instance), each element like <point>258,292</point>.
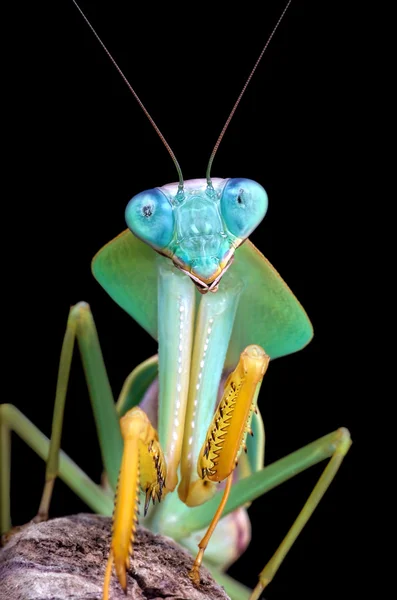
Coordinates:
<point>84,148</point>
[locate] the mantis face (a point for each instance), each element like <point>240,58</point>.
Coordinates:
<point>200,226</point>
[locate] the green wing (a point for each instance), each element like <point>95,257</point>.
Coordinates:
<point>268,313</point>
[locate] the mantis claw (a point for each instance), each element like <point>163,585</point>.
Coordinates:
<point>194,575</point>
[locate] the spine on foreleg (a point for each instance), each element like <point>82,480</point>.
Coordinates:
<point>232,420</point>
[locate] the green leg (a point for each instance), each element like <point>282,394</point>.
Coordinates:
<point>11,419</point>
<point>342,445</point>
<point>103,406</point>
<point>80,325</point>
<point>136,385</point>
<point>334,446</point>
<point>176,301</point>
<point>213,328</point>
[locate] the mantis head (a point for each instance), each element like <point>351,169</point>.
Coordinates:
<point>200,226</point>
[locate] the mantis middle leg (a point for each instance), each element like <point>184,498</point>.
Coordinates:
<point>80,326</point>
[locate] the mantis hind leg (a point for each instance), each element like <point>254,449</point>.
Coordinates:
<point>334,446</point>
<point>80,326</point>
<point>11,419</point>
<point>342,445</point>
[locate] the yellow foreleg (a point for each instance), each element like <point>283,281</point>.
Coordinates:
<point>142,465</point>
<point>228,431</point>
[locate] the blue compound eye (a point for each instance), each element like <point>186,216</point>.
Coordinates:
<point>150,217</point>
<point>243,206</point>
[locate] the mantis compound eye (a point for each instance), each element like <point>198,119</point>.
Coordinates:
<point>243,206</point>
<point>150,217</point>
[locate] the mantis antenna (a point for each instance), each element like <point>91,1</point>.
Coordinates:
<point>208,174</point>
<point>157,130</point>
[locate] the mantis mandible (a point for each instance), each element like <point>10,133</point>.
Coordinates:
<point>232,361</point>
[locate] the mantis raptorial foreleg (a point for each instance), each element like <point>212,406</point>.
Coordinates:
<point>142,465</point>
<point>227,433</point>
<point>192,351</point>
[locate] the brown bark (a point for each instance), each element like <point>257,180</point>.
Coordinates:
<point>65,559</point>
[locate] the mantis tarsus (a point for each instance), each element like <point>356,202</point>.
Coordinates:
<point>224,167</point>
